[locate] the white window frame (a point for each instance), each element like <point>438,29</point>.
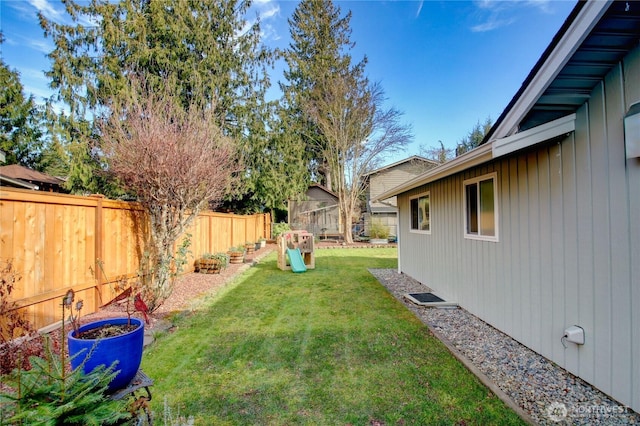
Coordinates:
<point>476,180</point>
<point>417,197</point>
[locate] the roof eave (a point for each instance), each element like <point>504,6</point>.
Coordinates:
<point>575,30</point>
<point>19,183</point>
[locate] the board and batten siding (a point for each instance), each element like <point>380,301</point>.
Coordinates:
<point>569,244</point>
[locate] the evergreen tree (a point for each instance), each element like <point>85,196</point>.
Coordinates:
<point>475,137</point>
<point>206,51</point>
<point>55,158</point>
<point>20,135</point>
<point>281,165</point>
<point>320,47</point>
<point>340,113</point>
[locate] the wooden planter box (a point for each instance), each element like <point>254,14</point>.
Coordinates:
<point>236,257</point>
<point>209,266</point>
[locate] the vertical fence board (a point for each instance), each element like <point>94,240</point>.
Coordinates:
<point>18,249</point>
<point>49,261</point>
<point>6,230</point>
<point>57,279</point>
<point>29,275</point>
<point>37,227</point>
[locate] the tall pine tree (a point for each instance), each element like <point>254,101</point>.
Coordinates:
<point>320,47</point>
<point>340,113</point>
<point>20,135</point>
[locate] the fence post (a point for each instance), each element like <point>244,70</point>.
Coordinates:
<point>98,250</point>
<point>231,234</point>
<point>267,225</point>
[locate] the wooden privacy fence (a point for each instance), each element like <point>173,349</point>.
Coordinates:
<point>58,242</point>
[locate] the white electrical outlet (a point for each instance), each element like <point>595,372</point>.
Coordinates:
<point>574,334</point>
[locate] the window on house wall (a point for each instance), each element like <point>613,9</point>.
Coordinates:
<point>421,213</point>
<point>481,208</point>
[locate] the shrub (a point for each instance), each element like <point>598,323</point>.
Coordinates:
<point>378,230</point>
<point>279,228</point>
<point>222,258</point>
<point>18,339</point>
<point>176,160</point>
<point>48,393</point>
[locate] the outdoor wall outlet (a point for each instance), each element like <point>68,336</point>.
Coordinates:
<point>574,334</point>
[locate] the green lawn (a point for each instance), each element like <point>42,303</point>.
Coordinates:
<point>327,347</point>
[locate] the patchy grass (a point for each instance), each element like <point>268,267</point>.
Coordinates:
<point>327,347</point>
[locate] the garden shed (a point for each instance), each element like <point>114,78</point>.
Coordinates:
<point>317,212</point>
<point>538,229</point>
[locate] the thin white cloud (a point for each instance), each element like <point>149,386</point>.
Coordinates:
<point>268,15</point>
<point>274,10</point>
<point>419,8</point>
<point>490,25</point>
<point>543,5</point>
<point>33,75</point>
<point>485,4</point>
<point>34,83</point>
<point>501,13</point>
<point>267,11</point>
<point>40,45</point>
<point>269,32</point>
<point>55,12</point>
<point>48,9</point>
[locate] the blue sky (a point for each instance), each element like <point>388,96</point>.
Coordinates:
<point>445,64</point>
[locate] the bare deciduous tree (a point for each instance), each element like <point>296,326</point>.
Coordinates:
<point>176,160</point>
<point>438,154</point>
<point>358,130</point>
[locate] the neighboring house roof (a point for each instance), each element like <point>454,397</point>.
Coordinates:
<point>7,181</point>
<point>317,185</point>
<point>593,39</point>
<point>383,209</point>
<point>397,163</point>
<point>391,175</point>
<point>27,178</point>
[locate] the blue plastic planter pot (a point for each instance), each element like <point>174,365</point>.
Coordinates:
<point>126,349</point>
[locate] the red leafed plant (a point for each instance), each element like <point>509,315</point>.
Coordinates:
<point>18,338</point>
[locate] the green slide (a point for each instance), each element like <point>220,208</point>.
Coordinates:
<point>296,261</point>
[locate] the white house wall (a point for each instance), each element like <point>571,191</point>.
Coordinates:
<point>569,244</point>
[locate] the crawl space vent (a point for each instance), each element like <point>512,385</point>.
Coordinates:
<point>425,297</point>
<point>429,299</point>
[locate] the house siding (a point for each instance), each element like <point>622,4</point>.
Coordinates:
<point>569,244</point>
<point>392,177</point>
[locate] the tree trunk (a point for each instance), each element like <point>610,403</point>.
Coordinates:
<point>347,214</point>
<point>327,178</point>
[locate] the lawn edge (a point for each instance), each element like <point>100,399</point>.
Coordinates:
<point>484,379</point>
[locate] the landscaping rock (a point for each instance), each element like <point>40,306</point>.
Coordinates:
<point>546,393</point>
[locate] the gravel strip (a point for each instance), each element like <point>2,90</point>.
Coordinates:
<point>547,393</point>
